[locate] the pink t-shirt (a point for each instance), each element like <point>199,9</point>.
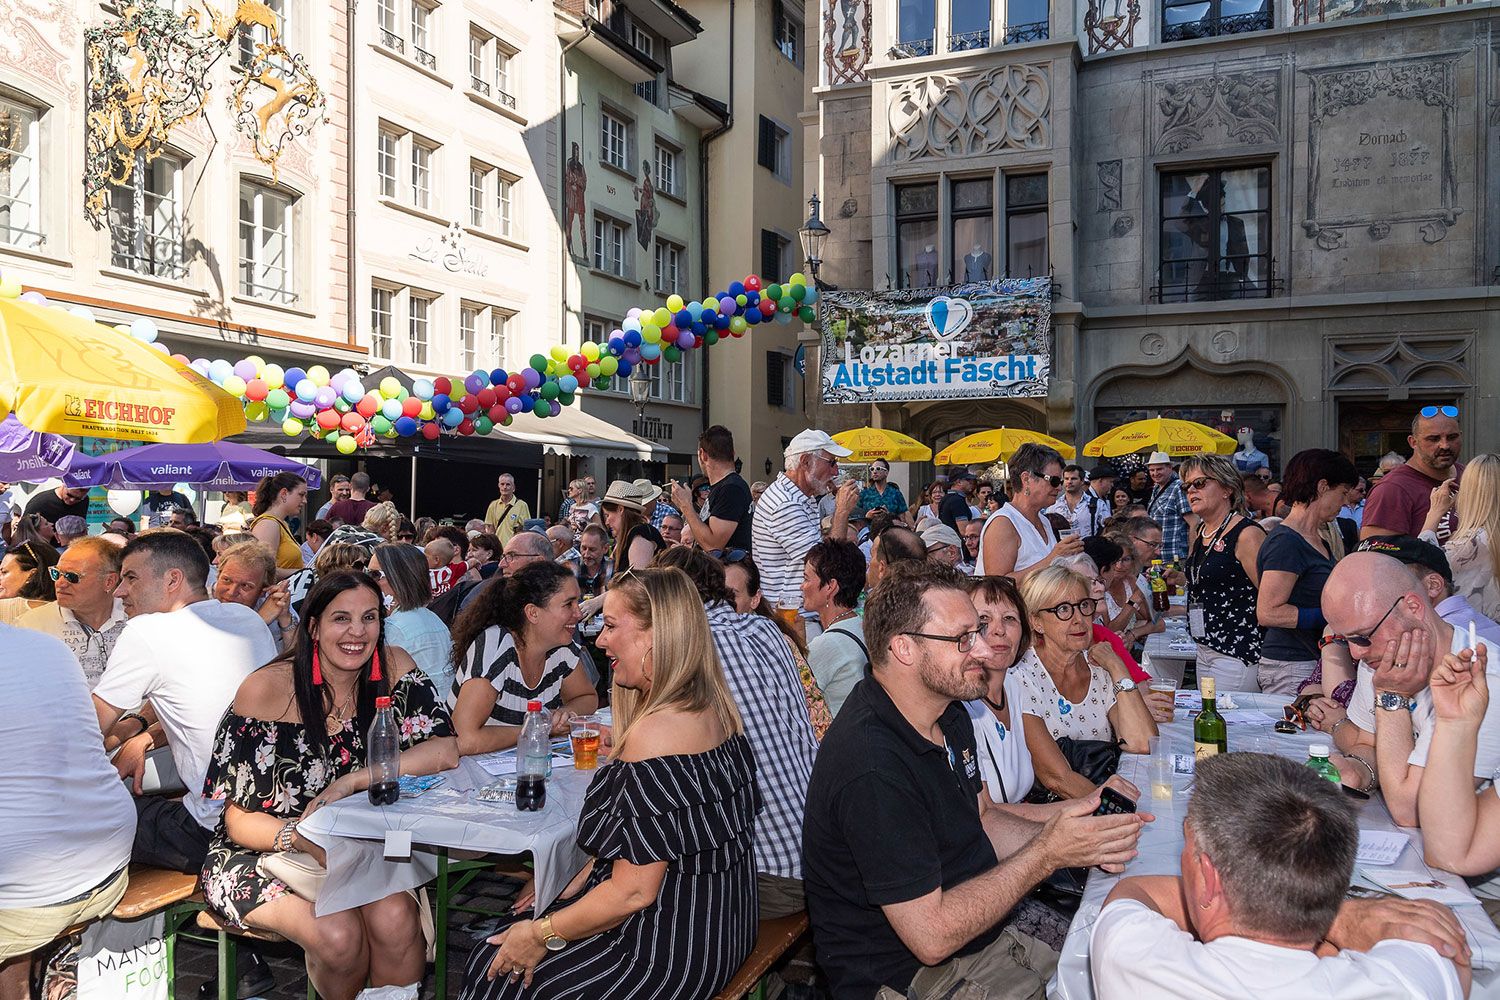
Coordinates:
<point>1102,634</point>
<point>1400,501</point>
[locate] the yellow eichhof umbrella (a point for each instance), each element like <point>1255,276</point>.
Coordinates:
<point>1177,438</point>
<point>62,374</point>
<point>870,443</point>
<point>997,445</point>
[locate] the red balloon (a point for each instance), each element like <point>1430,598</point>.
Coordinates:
<point>578,361</point>
<point>502,393</point>
<point>411,406</point>
<point>752,283</point>
<point>442,386</point>
<point>367,407</point>
<point>328,419</point>
<point>466,427</point>
<point>430,431</point>
<point>469,403</point>
<point>497,413</point>
<point>669,333</point>
<point>516,384</point>
<point>486,398</point>
<point>255,389</point>
<point>767,308</point>
<point>353,423</point>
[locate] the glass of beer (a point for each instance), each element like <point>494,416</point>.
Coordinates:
<point>1166,686</point>
<point>584,731</point>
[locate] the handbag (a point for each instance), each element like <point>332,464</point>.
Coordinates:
<point>298,869</point>
<point>1096,760</point>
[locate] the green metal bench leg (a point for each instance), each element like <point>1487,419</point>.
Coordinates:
<point>440,915</point>
<point>229,980</point>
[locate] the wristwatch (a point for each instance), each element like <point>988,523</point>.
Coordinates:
<point>1393,702</point>
<point>550,938</point>
<point>1123,685</point>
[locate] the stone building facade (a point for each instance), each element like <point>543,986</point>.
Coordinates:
<point>1280,218</point>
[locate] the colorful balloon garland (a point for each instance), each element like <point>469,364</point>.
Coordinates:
<point>340,409</point>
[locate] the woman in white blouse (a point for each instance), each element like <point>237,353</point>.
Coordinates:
<point>1071,686</point>
<point>1474,550</point>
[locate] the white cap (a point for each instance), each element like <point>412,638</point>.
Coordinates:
<point>815,440</point>
<point>939,534</point>
<point>1318,750</point>
<point>1159,458</point>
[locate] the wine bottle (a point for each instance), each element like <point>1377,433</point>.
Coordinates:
<point>1209,732</point>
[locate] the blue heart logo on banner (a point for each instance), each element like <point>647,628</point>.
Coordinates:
<point>948,317</point>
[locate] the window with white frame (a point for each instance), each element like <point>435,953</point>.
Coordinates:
<point>478,42</point>
<point>266,243</point>
<point>668,271</point>
<point>478,177</point>
<point>645,44</point>
<point>490,67</point>
<point>258,34</point>
<point>145,219</point>
<point>774,149</point>
<point>421,173</point>
<point>614,141</point>
<point>390,31</point>
<point>505,203</point>
<point>421,34</point>
<point>500,346</point>
<point>387,145</point>
<point>504,89</point>
<point>468,336</point>
<point>668,169</point>
<point>611,238</point>
<point>787,32</point>
<point>419,315</point>
<point>20,176</point>
<point>382,320</point>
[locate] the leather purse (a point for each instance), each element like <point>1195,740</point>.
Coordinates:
<point>298,869</point>
<point>1096,760</point>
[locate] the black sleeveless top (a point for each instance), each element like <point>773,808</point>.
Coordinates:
<point>1219,585</point>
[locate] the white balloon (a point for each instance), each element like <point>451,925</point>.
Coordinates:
<point>124,502</point>
<point>82,312</point>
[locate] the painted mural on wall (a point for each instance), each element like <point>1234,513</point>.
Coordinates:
<point>575,201</point>
<point>646,213</point>
<point>1383,130</point>
<point>847,27</point>
<point>1318,11</point>
<point>1111,24</point>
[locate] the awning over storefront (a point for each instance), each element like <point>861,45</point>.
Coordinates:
<point>577,434</point>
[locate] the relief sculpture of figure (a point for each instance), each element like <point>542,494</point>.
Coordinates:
<point>646,214</point>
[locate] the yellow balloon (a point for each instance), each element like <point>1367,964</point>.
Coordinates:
<point>427,412</point>
<point>797,279</point>
<point>345,444</point>
<point>234,385</point>
<point>259,363</point>
<point>274,375</point>
<point>291,427</point>
<point>674,302</point>
<point>650,334</point>
<point>662,317</point>
<point>559,352</point>
<point>319,375</point>
<point>255,410</point>
<point>10,288</point>
<point>591,351</point>
<point>389,387</point>
<point>710,304</point>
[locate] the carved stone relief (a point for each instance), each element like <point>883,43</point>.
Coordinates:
<point>1109,185</point>
<point>1189,385</point>
<point>1222,107</point>
<point>942,115</point>
<point>1112,28</point>
<point>1392,362</point>
<point>846,40</point>
<point>1380,149</point>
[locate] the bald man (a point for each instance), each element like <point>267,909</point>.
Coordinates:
<point>1379,608</point>
<point>1398,504</point>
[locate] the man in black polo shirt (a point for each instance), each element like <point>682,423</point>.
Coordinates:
<point>900,843</point>
<point>725,522</point>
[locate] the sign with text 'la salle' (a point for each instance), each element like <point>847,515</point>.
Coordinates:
<point>979,340</point>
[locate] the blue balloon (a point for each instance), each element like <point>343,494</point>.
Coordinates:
<point>650,352</point>
<point>498,376</point>
<point>527,402</point>
<point>616,346</point>
<point>405,426</point>
<point>682,319</point>
<point>422,388</point>
<point>440,403</point>
<point>752,316</point>
<point>721,321</point>
<point>567,384</point>
<point>305,389</point>
<point>695,309</point>
<point>453,417</point>
<point>736,288</point>
<point>811,296</point>
<point>624,370</point>
<point>292,376</point>
<point>632,339</point>
<point>752,299</point>
<point>699,327</point>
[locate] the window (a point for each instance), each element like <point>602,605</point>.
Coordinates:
<point>668,267</point>
<point>1026,226</point>
<point>20,177</point>
<point>505,203</point>
<point>1185,19</point>
<point>1215,235</point>
<point>646,46</point>
<point>421,174</point>
<point>1026,21</point>
<point>916,28</point>
<point>385,161</point>
<point>779,392</point>
<point>668,170</point>
<point>468,335</point>
<point>773,255</point>
<point>916,235</point>
<point>609,245</point>
<point>500,352</point>
<point>258,34</point>
<point>266,243</point>
<point>774,150</point>
<point>421,23</point>
<point>477,45</point>
<point>503,89</point>
<point>489,67</point>
<point>971,206</point>
<point>417,328</point>
<point>390,37</point>
<point>968,25</point>
<point>382,316</point>
<point>477,175</point>
<point>786,31</point>
<point>145,219</point>
<point>614,141</point>
<point>677,379</point>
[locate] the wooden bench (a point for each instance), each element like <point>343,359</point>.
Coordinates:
<point>772,940</point>
<point>229,952</point>
<point>149,890</point>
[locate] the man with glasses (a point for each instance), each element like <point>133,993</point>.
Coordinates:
<point>905,887</point>
<point>525,548</point>
<point>1169,508</point>
<point>1398,504</point>
<point>86,615</point>
<point>1378,608</point>
<point>882,492</point>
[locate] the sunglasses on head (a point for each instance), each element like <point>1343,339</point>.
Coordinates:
<point>732,556</point>
<point>1428,412</point>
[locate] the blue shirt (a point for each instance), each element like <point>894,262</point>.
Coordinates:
<point>891,499</point>
<point>1168,505</point>
<point>424,636</point>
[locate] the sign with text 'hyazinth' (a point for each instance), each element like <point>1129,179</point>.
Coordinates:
<point>984,339</point>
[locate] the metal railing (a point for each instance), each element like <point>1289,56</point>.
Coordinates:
<point>424,57</point>
<point>965,40</point>
<point>1036,31</point>
<point>506,99</point>
<point>479,86</point>
<point>1217,286</point>
<point>1212,27</point>
<point>909,50</point>
<point>391,40</point>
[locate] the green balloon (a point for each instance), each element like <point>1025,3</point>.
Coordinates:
<point>711,337</point>
<point>602,382</point>
<point>774,292</point>
<point>673,353</point>
<point>483,425</point>
<point>566,398</point>
<point>806,314</point>
<point>549,390</point>
<point>786,305</point>
<point>539,362</point>
<point>799,292</point>
<point>380,424</point>
<point>277,399</point>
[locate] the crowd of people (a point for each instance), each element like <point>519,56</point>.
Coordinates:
<point>899,717</point>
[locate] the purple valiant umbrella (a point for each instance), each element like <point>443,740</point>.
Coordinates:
<point>28,456</point>
<point>218,465</point>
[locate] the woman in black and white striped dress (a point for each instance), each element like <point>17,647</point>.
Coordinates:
<point>667,906</point>
<point>513,645</point>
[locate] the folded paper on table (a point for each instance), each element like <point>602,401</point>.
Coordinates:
<point>1380,847</point>
<point>1246,717</point>
<point>503,762</point>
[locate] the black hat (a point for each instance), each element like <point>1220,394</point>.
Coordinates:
<point>1103,471</point>
<point>1411,551</point>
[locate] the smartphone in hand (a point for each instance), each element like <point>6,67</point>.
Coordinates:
<point>1113,802</point>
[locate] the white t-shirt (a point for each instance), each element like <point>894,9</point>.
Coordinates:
<point>1004,760</point>
<point>1137,953</point>
<point>189,664</point>
<point>1085,720</point>
<point>1424,718</point>
<point>68,818</point>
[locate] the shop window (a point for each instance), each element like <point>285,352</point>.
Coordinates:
<point>916,235</point>
<point>1026,226</point>
<point>972,209</point>
<point>916,28</point>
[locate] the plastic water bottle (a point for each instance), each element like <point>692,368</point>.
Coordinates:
<point>383,752</point>
<point>1317,760</point>
<point>533,759</point>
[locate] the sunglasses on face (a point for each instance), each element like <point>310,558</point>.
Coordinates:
<point>1052,481</point>
<point>375,574</point>
<point>65,574</point>
<point>1199,483</point>
<point>1064,612</point>
<point>1366,641</point>
<point>1428,412</point>
<point>404,537</point>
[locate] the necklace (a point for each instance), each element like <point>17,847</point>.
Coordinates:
<point>338,714</point>
<point>839,618</point>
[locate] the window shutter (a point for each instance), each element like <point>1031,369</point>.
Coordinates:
<point>766,153</point>
<point>775,379</point>
<point>770,256</point>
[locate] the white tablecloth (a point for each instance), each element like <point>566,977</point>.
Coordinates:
<point>352,832</point>
<point>1161,849</point>
<point>1168,653</point>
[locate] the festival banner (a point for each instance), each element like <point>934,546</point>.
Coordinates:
<point>984,339</point>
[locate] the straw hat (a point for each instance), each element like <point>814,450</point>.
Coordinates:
<point>633,496</point>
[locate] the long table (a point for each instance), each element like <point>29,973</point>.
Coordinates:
<point>1161,849</point>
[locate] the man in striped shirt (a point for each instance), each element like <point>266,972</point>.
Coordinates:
<point>786,523</point>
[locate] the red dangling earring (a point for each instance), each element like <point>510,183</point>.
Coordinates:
<point>317,669</point>
<point>375,667</point>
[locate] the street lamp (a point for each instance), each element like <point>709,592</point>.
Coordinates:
<point>814,234</point>
<point>640,390</point>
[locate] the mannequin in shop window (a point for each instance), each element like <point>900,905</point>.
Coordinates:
<point>977,264</point>
<point>927,262</point>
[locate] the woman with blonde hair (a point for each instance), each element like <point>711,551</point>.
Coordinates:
<point>1222,575</point>
<point>1474,550</point>
<point>668,824</point>
<point>1072,687</point>
<point>384,520</point>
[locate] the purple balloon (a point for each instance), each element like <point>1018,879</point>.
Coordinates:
<point>728,306</point>
<point>634,312</point>
<point>556,407</point>
<point>513,405</point>
<point>325,397</point>
<point>532,376</point>
<point>200,365</point>
<point>302,411</point>
<point>686,340</point>
<point>245,369</point>
<point>475,382</point>
<point>633,355</point>
<point>339,378</point>
<point>35,298</point>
